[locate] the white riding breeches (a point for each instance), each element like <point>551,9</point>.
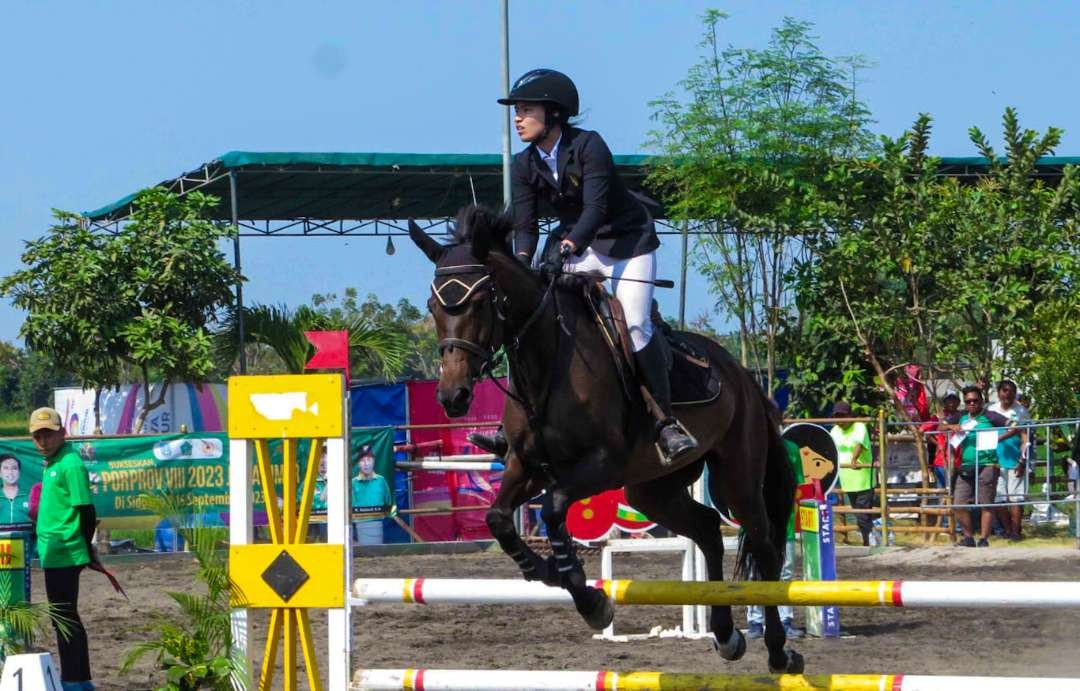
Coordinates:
<point>636,298</point>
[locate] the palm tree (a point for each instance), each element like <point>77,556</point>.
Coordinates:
<point>282,331</point>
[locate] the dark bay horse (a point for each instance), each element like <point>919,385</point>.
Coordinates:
<point>574,432</point>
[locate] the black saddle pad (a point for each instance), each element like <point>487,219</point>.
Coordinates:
<point>694,379</point>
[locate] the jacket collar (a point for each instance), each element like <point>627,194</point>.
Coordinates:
<point>565,153</point>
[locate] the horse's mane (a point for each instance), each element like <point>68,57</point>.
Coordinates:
<point>483,228</point>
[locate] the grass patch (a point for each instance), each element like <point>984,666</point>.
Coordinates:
<point>13,425</point>
<point>144,539</point>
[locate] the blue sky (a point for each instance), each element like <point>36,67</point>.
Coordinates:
<point>103,98</point>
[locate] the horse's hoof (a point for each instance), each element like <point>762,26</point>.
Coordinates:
<point>735,647</point>
<point>793,664</point>
<point>602,614</point>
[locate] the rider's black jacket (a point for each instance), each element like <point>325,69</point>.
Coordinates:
<point>594,205</point>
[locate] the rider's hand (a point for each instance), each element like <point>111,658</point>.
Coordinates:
<point>566,248</point>
<point>552,265</point>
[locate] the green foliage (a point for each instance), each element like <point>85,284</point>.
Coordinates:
<point>141,298</point>
<point>418,328</point>
<point>281,330</point>
<point>194,647</point>
<point>970,281</point>
<point>70,286</point>
<point>21,623</point>
<point>747,146</point>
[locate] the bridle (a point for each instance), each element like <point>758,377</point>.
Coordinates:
<point>453,294</point>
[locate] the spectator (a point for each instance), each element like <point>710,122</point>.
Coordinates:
<point>946,458</point>
<point>755,614</point>
<point>1071,465</point>
<point>976,481</point>
<point>65,530</point>
<point>1012,455</point>
<point>853,454</point>
<point>370,494</point>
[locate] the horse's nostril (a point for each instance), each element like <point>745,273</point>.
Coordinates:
<point>461,396</point>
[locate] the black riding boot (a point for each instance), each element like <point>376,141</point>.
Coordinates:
<point>492,443</point>
<point>653,367</point>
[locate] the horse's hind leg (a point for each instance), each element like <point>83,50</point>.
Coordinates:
<point>591,603</point>
<point>518,486</point>
<point>667,502</point>
<point>752,515</point>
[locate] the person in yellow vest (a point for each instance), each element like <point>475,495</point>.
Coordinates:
<point>65,532</point>
<point>856,466</point>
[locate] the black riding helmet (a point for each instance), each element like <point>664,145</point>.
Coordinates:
<point>544,86</point>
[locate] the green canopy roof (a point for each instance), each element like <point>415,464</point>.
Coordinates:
<point>358,187</point>
<point>289,185</point>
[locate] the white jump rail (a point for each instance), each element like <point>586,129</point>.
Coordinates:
<point>911,594</point>
<point>532,680</point>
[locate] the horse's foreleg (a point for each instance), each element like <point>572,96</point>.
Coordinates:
<point>518,486</point>
<point>591,603</point>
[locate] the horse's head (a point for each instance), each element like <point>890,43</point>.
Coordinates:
<point>465,301</point>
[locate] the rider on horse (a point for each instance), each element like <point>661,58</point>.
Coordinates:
<point>603,228</point>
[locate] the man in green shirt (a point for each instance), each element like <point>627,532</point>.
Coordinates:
<point>65,531</point>
<point>856,466</point>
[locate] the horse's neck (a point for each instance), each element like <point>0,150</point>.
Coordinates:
<point>560,332</point>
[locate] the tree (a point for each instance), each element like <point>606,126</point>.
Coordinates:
<point>422,353</point>
<point>965,280</point>
<point>281,330</point>
<point>70,289</point>
<point>747,150</point>
<point>1021,272</point>
<point>143,297</point>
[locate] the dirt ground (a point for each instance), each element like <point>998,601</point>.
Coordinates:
<point>878,640</point>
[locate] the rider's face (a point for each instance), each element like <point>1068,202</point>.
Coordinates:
<point>529,120</point>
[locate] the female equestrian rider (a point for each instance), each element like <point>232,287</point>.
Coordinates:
<point>603,227</point>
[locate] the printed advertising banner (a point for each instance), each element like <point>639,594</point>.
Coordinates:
<point>454,489</point>
<point>122,469</point>
<point>201,409</point>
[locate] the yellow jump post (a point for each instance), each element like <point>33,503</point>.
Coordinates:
<point>289,576</point>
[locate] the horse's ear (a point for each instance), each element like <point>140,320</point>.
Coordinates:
<point>481,238</point>
<point>427,244</point>
<point>500,229</point>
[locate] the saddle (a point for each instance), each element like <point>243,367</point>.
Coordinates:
<point>695,380</point>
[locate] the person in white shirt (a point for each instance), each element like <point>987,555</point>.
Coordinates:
<point>1012,457</point>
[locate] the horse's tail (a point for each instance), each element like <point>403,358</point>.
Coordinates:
<point>779,490</point>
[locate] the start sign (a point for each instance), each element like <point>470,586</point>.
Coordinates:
<point>14,568</point>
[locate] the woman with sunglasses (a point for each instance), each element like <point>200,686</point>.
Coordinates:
<point>976,481</point>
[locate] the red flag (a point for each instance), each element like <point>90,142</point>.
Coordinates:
<point>331,350</point>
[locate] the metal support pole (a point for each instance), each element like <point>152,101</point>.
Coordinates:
<point>506,90</point>
<point>236,263</point>
<point>682,279</point>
